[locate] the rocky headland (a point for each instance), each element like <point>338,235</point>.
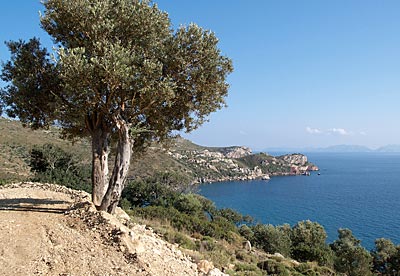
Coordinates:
<point>238,163</point>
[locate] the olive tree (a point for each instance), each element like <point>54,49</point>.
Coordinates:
<point>119,74</point>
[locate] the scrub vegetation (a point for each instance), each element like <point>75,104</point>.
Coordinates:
<point>165,201</point>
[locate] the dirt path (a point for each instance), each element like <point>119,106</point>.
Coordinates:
<point>41,234</point>
<point>26,217</point>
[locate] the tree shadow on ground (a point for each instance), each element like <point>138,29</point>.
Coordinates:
<point>46,205</point>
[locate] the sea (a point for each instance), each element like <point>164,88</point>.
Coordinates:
<point>358,191</point>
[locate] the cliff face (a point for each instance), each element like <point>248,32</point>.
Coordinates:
<point>235,152</point>
<point>295,159</point>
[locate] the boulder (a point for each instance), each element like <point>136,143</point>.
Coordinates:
<point>216,272</point>
<point>247,245</point>
<point>265,177</point>
<point>205,266</point>
<point>279,256</point>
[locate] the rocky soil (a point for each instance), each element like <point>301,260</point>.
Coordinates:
<point>52,230</point>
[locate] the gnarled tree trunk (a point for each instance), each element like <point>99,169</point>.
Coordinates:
<point>100,152</point>
<point>121,167</point>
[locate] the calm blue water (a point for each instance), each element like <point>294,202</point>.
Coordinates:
<point>356,191</point>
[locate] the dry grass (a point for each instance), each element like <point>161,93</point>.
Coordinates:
<point>16,142</point>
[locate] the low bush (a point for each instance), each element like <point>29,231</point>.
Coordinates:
<point>273,267</point>
<point>51,164</point>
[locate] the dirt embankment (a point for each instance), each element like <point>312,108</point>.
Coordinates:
<point>51,230</point>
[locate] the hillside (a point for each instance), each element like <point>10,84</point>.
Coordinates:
<point>51,230</point>
<point>194,163</point>
<point>17,141</point>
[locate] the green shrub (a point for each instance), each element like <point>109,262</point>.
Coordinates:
<point>219,255</point>
<point>271,239</point>
<point>233,217</point>
<point>273,267</point>
<point>350,257</point>
<point>244,255</point>
<point>207,244</point>
<point>189,204</point>
<point>386,257</point>
<point>308,243</point>
<point>52,164</point>
<point>143,193</point>
<point>125,204</point>
<point>311,269</point>
<point>181,239</point>
<point>246,267</point>
<point>246,232</point>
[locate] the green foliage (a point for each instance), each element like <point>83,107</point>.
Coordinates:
<point>273,267</point>
<point>16,143</point>
<point>308,243</point>
<point>246,267</point>
<point>271,239</point>
<point>52,164</point>
<point>191,212</point>
<point>267,163</point>
<point>119,71</point>
<point>233,217</point>
<point>32,79</point>
<point>184,222</point>
<point>115,57</point>
<point>221,228</point>
<point>386,258</point>
<point>125,204</point>
<point>49,157</point>
<point>208,207</point>
<point>245,256</point>
<point>189,204</point>
<point>350,257</point>
<point>246,232</point>
<point>142,193</point>
<point>206,243</point>
<point>310,269</point>
<point>176,181</point>
<point>181,239</point>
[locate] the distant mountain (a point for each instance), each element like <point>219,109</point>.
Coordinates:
<point>332,149</point>
<point>389,148</point>
<point>345,148</point>
<point>336,149</point>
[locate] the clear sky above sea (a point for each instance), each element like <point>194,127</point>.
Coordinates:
<point>307,73</point>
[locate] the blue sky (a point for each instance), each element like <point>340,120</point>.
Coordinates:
<point>307,73</point>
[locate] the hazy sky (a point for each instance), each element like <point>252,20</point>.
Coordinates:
<point>307,73</point>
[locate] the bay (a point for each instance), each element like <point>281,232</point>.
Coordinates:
<point>359,191</point>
